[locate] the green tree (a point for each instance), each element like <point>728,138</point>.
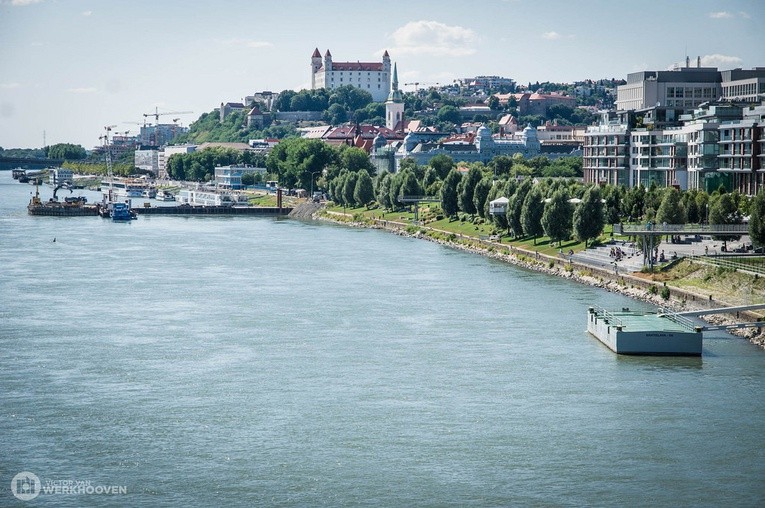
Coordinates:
<point>757,219</point>
<point>589,218</point>
<point>383,191</point>
<point>363,193</point>
<point>449,200</point>
<point>349,186</point>
<point>557,216</point>
<point>723,211</point>
<point>335,114</point>
<point>449,114</point>
<point>480,194</point>
<point>350,97</point>
<point>531,213</point>
<point>295,160</point>
<point>467,190</point>
<point>442,164</point>
<point>671,209</point>
<point>515,207</point>
<point>409,185</point>
<point>501,165</point>
<point>633,204</point>
<point>66,151</point>
<point>248,178</point>
<point>355,160</point>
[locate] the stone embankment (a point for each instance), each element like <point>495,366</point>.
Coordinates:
<point>629,285</point>
<point>305,210</point>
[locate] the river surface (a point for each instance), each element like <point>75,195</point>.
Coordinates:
<point>219,361</point>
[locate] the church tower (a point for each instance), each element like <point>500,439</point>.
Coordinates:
<point>394,106</point>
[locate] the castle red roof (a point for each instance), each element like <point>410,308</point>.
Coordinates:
<point>316,53</point>
<point>357,66</point>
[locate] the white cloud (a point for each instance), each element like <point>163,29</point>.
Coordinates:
<point>744,15</point>
<point>20,3</point>
<point>433,38</point>
<point>87,13</point>
<point>717,60</point>
<point>246,43</point>
<point>551,36</point>
<point>83,89</point>
<point>8,86</point>
<point>720,15</point>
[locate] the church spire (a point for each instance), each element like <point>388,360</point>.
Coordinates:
<point>395,78</point>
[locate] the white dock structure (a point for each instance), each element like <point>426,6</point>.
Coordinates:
<point>629,332</point>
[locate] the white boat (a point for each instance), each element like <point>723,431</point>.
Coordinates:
<point>163,195</point>
<point>195,197</point>
<point>123,188</point>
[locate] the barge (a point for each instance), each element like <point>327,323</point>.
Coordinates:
<point>629,332</point>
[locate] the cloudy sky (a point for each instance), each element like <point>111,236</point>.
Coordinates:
<point>70,67</point>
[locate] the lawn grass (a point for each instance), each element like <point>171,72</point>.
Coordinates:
<point>466,227</point>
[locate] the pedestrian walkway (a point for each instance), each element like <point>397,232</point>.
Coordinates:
<point>629,258</point>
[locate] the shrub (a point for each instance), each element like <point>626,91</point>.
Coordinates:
<point>665,293</point>
<point>652,289</point>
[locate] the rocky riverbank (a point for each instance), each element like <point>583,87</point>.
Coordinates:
<point>629,285</point>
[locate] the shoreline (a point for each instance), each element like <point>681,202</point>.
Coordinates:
<point>625,284</point>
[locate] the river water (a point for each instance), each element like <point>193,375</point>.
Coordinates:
<point>218,361</point>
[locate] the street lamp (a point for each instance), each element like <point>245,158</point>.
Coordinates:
<point>314,173</point>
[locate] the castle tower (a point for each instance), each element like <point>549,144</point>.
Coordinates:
<point>315,66</point>
<point>386,62</point>
<point>394,106</point>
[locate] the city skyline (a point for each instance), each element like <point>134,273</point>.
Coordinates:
<point>73,67</point>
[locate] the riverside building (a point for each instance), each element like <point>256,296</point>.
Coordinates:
<point>713,145</point>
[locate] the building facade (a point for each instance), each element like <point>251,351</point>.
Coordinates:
<point>483,147</point>
<point>714,145</point>
<point>688,87</point>
<point>164,155</point>
<point>374,77</point>
<point>230,177</point>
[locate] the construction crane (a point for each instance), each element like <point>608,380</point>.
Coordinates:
<point>417,84</point>
<point>107,149</point>
<point>157,114</point>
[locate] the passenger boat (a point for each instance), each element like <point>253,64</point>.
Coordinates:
<point>163,195</point>
<point>196,197</point>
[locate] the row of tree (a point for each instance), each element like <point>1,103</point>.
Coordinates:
<point>557,208</point>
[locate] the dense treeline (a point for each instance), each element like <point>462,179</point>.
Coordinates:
<point>559,208</point>
<point>200,166</point>
<point>65,151</point>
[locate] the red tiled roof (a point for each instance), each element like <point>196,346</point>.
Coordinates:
<point>357,66</point>
<point>316,53</point>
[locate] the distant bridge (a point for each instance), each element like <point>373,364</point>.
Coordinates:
<point>7,163</point>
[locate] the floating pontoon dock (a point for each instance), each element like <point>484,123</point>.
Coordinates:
<point>629,332</point>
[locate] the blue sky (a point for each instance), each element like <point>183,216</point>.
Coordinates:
<point>70,67</point>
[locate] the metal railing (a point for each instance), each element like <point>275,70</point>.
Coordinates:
<point>679,320</point>
<point>686,229</point>
<point>729,264</point>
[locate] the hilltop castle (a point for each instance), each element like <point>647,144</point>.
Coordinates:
<point>374,77</point>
